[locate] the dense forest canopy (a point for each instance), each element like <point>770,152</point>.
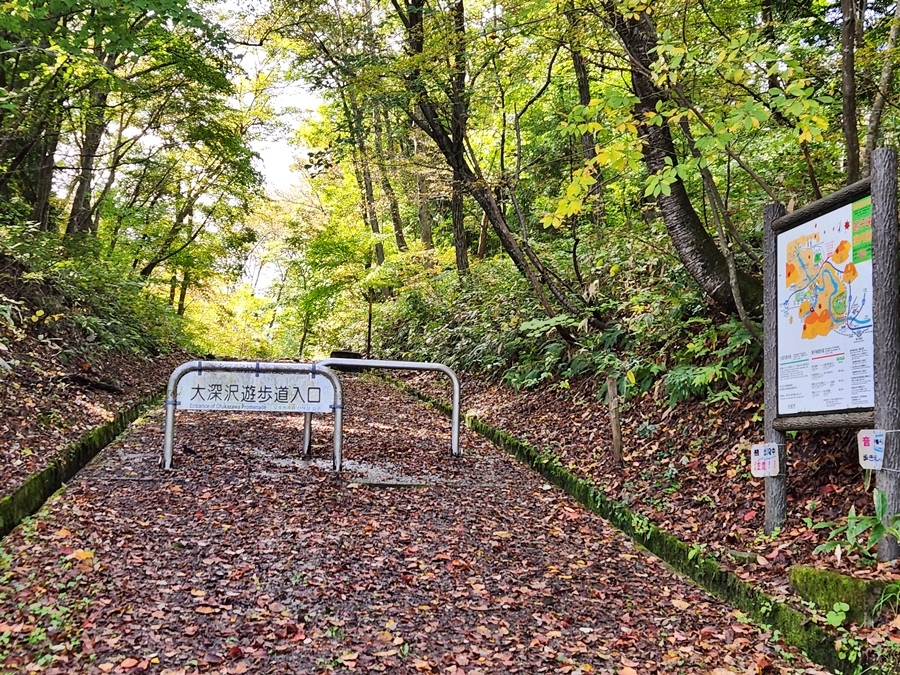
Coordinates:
<point>534,187</point>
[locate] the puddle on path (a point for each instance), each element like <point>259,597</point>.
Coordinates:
<point>130,465</point>
<point>384,474</point>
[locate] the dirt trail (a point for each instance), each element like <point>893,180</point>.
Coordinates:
<point>247,559</point>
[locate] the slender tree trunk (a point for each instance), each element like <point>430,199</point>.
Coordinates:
<point>424,213</point>
<point>41,210</point>
<point>277,302</point>
<point>363,171</point>
<point>848,88</point>
<point>387,188</point>
<point>182,295</point>
<point>183,217</point>
<point>583,81</point>
<point>173,288</point>
<point>369,197</point>
<point>459,114</point>
<point>457,219</point>
<point>884,85</point>
<point>482,237</point>
<point>303,335</point>
<point>95,125</point>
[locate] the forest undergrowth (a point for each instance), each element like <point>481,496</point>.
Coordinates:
<point>690,388</point>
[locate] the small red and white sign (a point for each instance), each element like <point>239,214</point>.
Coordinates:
<point>764,460</point>
<point>871,448</point>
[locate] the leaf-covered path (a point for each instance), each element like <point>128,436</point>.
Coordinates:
<point>246,559</point>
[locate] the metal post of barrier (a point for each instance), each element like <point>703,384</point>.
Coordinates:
<point>251,367</point>
<point>411,365</point>
<point>307,434</point>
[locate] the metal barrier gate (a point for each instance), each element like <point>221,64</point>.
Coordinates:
<point>392,365</point>
<point>233,394</point>
<point>228,394</point>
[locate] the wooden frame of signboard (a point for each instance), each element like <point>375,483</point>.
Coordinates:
<point>884,413</point>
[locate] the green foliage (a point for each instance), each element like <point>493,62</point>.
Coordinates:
<point>850,537</point>
<point>652,335</point>
<point>100,305</point>
<point>837,614</point>
<point>456,322</point>
<point>727,357</point>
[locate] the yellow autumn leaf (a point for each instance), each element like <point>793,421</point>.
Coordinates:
<point>82,554</point>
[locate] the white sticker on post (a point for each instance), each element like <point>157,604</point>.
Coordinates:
<point>764,460</point>
<point>871,448</point>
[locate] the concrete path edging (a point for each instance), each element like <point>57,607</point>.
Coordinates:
<point>37,488</point>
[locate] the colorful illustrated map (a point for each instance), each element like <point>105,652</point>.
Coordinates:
<point>820,284</point>
<point>825,312</point>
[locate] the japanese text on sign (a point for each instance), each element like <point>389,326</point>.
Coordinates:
<point>764,460</point>
<point>824,320</point>
<point>264,392</point>
<point>871,448</point>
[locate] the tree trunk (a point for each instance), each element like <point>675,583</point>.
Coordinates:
<point>303,335</point>
<point>363,172</point>
<point>459,114</point>
<point>369,198</point>
<point>41,209</point>
<point>695,247</point>
<point>457,218</point>
<point>182,295</point>
<point>424,213</point>
<point>884,85</point>
<point>848,88</point>
<point>482,237</point>
<point>94,128</point>
<point>388,189</point>
<point>886,327</point>
<point>583,81</point>
<point>184,216</point>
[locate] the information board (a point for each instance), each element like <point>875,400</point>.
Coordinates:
<point>825,346</point>
<point>265,392</point>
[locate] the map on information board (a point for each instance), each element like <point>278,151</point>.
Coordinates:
<point>825,353</point>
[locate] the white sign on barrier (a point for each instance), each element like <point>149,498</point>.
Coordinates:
<point>263,392</point>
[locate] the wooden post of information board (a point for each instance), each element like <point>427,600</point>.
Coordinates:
<point>612,393</point>
<point>886,326</point>
<point>776,486</point>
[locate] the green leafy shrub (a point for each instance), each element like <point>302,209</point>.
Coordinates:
<point>861,533</point>
<point>657,329</point>
<point>98,304</point>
